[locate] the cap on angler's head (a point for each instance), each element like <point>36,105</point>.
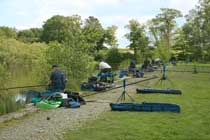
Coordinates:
<point>54,66</point>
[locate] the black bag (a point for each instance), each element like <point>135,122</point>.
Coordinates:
<point>92,80</point>
<point>76,97</point>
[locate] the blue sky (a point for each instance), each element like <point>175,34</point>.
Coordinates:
<point>23,14</point>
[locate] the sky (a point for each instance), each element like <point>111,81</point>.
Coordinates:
<point>24,14</point>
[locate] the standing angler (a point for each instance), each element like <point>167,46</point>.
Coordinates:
<point>57,80</point>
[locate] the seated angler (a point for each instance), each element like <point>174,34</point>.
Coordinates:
<point>104,67</point>
<point>132,67</point>
<point>105,72</point>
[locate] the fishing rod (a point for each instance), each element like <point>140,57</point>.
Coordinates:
<point>98,101</point>
<point>133,83</point>
<point>191,71</point>
<point>22,87</point>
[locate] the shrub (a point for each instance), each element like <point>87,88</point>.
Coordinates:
<point>114,57</point>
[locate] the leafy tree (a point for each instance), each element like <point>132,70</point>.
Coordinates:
<point>7,32</point>
<point>110,36</point>
<point>137,37</point>
<point>197,31</point>
<point>164,23</point>
<point>96,36</point>
<point>94,33</point>
<point>162,29</point>
<point>60,28</point>
<point>73,30</point>
<point>181,46</point>
<point>30,35</point>
<point>193,35</point>
<point>26,36</point>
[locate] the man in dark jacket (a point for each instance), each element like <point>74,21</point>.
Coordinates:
<point>57,80</point>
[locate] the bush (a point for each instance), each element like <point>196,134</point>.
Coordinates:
<point>73,59</point>
<point>114,58</point>
<point>101,55</point>
<point>124,64</point>
<point>127,55</point>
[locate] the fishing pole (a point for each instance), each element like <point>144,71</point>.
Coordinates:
<point>98,101</point>
<point>22,87</point>
<point>133,83</point>
<point>191,71</point>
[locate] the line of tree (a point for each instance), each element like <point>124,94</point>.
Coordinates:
<point>194,37</point>
<point>64,29</point>
<point>161,37</point>
<point>75,44</point>
<point>70,42</point>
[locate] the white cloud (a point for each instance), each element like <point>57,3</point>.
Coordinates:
<point>123,19</point>
<point>47,8</point>
<point>109,12</point>
<point>183,5</point>
<point>105,2</point>
<point>123,42</point>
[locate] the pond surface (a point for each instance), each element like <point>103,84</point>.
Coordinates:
<point>11,101</point>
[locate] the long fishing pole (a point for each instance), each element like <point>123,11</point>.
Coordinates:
<point>191,71</point>
<point>22,87</point>
<point>140,81</point>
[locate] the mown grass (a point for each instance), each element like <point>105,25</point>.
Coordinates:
<point>193,123</point>
<point>191,67</point>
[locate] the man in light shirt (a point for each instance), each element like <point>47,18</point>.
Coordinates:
<point>104,67</point>
<point>105,74</point>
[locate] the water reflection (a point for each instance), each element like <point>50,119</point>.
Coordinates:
<point>26,96</point>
